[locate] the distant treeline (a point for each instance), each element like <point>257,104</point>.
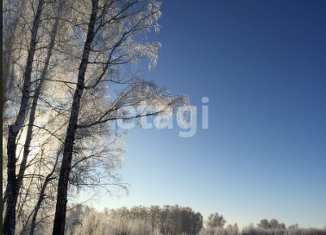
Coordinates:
<point>264,227</point>
<point>139,220</point>
<point>169,220</point>
<point>274,228</point>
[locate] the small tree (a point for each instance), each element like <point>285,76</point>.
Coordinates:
<point>274,223</point>
<point>264,224</point>
<point>215,221</point>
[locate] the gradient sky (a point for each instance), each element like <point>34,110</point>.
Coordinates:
<point>262,64</point>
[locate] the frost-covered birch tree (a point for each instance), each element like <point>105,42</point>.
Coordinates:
<point>31,32</point>
<point>9,222</point>
<point>110,43</point>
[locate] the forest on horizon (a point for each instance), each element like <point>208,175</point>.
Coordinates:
<point>170,220</point>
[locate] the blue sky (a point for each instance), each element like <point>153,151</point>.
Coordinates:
<point>262,64</point>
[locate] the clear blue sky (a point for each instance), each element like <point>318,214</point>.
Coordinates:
<point>262,64</point>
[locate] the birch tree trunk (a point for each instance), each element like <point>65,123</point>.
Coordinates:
<point>10,217</point>
<point>29,135</point>
<point>8,54</point>
<point>8,66</point>
<point>60,212</point>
